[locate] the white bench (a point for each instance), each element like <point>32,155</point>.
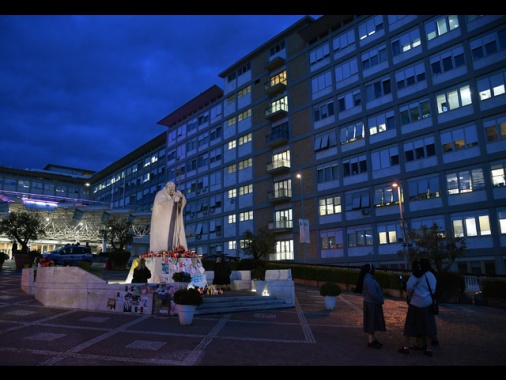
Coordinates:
<point>279,284</point>
<point>239,279</point>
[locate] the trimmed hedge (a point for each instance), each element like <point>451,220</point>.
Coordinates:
<point>492,287</point>
<point>450,284</point>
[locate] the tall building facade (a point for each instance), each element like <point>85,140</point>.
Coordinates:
<point>318,126</point>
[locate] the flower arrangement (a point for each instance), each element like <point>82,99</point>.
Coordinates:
<point>181,277</point>
<point>213,291</point>
<point>188,296</point>
<point>44,262</point>
<point>178,252</point>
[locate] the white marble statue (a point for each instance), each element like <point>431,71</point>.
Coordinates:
<point>167,222</point>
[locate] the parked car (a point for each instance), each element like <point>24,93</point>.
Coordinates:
<point>70,255</point>
<point>224,257</point>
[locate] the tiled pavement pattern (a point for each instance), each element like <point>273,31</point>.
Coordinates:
<point>307,335</point>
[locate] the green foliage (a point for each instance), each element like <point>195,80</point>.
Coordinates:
<point>98,274</point>
<point>258,273</point>
<point>450,285</point>
<point>259,245</point>
<point>181,277</point>
<point>119,258</point>
<point>23,227</point>
<point>249,264</point>
<point>35,254</point>
<point>388,280</point>
<point>84,265</point>
<point>493,287</point>
<point>118,231</point>
<point>188,296</point>
<point>330,289</point>
<point>435,244</point>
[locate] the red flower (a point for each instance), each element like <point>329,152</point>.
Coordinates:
<point>180,249</point>
<point>46,262</point>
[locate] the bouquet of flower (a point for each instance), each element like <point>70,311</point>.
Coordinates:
<point>178,252</point>
<point>44,262</point>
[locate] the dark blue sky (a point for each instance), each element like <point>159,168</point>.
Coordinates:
<point>84,91</point>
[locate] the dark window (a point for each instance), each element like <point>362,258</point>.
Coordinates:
<point>460,60</point>
<point>491,47</point>
<point>436,68</point>
<point>447,63</point>
<point>396,48</point>
<point>477,53</point>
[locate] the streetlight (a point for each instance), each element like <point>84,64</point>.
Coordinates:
<point>403,227</point>
<point>303,241</point>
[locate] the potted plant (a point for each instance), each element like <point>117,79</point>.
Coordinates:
<point>187,300</point>
<point>23,227</point>
<point>330,291</point>
<point>188,296</point>
<point>258,276</point>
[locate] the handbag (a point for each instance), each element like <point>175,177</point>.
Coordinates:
<point>435,304</point>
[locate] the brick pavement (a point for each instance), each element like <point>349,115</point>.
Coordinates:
<point>307,335</point>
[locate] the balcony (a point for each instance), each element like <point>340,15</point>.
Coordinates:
<point>281,226</point>
<point>273,87</point>
<point>278,137</point>
<point>276,112</point>
<point>274,64</point>
<point>279,196</point>
<point>278,166</point>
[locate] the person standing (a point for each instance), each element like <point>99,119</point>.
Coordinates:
<point>419,319</point>
<point>141,273</point>
<point>222,274</point>
<point>167,222</point>
<point>373,317</point>
<point>14,248</point>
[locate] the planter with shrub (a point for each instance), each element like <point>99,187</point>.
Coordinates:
<point>330,291</point>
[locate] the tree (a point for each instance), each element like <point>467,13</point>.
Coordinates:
<point>435,244</point>
<point>22,226</point>
<point>118,231</point>
<point>259,245</point>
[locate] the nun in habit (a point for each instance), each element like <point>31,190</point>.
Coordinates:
<point>167,223</point>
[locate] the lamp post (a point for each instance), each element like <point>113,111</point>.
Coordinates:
<point>299,176</point>
<point>403,227</point>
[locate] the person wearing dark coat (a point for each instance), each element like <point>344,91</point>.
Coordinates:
<point>373,317</point>
<point>222,274</point>
<point>141,273</point>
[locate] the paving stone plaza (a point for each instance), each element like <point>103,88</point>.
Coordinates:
<point>306,335</point>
